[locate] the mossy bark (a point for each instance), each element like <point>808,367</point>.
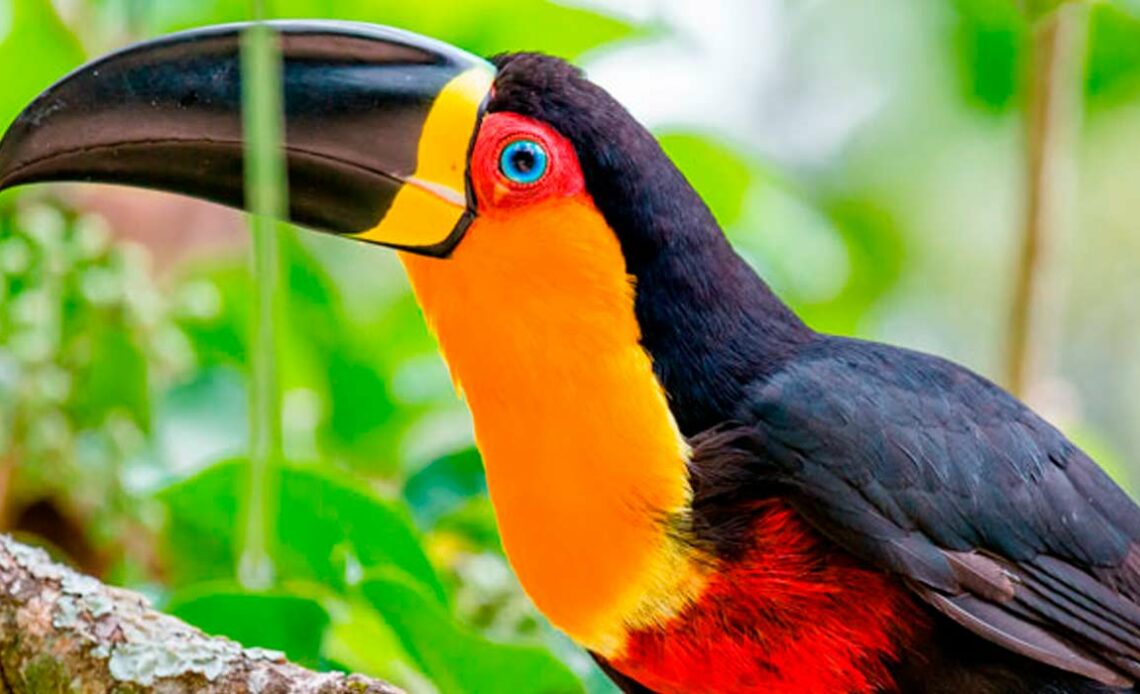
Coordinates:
<point>64,632</point>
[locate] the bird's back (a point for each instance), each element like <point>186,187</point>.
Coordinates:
<point>1018,557</point>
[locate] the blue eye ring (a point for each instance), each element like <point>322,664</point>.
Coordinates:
<point>524,161</point>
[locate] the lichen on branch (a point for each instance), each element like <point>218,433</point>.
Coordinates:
<point>61,631</point>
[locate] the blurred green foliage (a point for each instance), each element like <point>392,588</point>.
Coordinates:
<point>123,392</point>
<point>991,40</point>
<point>1114,55</point>
<point>85,339</point>
<point>43,53</point>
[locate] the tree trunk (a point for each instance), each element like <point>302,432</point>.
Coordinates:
<point>64,632</point>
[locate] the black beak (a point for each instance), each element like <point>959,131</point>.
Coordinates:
<point>378,124</point>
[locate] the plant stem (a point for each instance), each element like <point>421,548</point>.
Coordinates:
<point>1052,120</point>
<point>8,461</point>
<point>266,197</point>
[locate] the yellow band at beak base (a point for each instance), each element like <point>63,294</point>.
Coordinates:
<point>431,203</point>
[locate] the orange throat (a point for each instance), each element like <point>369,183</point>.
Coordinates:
<point>585,464</point>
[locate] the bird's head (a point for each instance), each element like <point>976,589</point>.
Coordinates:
<point>391,138</point>
<point>497,180</point>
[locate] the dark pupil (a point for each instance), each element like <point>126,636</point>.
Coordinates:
<point>523,160</point>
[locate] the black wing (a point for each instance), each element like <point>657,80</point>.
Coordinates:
<point>931,472</point>
<point>627,685</point>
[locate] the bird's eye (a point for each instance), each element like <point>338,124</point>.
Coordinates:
<point>523,161</point>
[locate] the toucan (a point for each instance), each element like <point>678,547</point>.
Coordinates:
<point>698,488</point>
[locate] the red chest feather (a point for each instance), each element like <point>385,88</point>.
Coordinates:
<point>789,616</point>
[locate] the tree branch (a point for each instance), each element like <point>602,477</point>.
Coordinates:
<point>64,632</point>
<point>1052,118</point>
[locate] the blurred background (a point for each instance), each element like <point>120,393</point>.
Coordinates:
<point>956,176</point>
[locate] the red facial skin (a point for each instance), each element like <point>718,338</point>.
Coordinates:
<point>494,191</point>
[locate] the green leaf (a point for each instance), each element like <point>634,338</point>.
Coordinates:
<point>718,173</point>
<point>359,640</point>
<point>456,660</point>
<point>35,50</point>
<point>474,521</point>
<point>332,354</point>
<point>202,419</point>
<point>117,381</point>
<point>874,245</point>
<point>445,484</point>
<point>362,415</point>
<point>279,621</point>
<point>1113,73</point>
<point>991,41</point>
<point>484,28</point>
<point>329,530</point>
<point>221,336</point>
<point>1132,7</point>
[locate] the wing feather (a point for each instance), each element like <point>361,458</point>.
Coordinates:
<point>926,470</point>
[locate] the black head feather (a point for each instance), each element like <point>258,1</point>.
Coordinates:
<point>709,323</point>
<point>644,197</point>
